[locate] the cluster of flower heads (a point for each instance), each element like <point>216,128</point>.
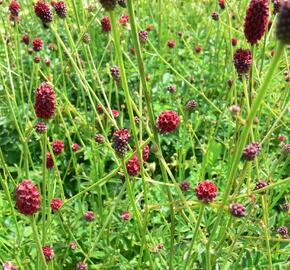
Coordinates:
<point>14,9</point>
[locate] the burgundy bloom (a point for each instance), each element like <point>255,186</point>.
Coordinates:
<point>171,43</point>
<point>261,184</point>
<point>9,266</point>
<point>57,147</point>
<point>108,5</point>
<point>82,266</point>
<point>184,186</point>
<point>171,88</point>
<point>215,16</point>
<point>45,101</point>
<point>42,11</point>
<point>256,20</point>
<point>106,24</point>
<point>122,3</point>
<point>285,148</point>
<point>37,44</point>
<point>60,9</point>
<point>27,197</point>
<point>115,73</point>
<point>242,61</point>
<point>14,8</point>
<point>234,41</point>
<point>125,216</point>
<point>47,61</point>
<point>222,4</point>
<point>55,204</point>
<point>167,121</point>
<point>251,151</point>
<point>283,25</point>
<point>49,161</point>
<point>48,253</point>
<point>40,127</point>
<point>180,34</point>
<point>37,59</point>
<point>206,191</point>
<point>191,105</point>
<point>75,147</point>
<point>133,166</point>
<point>25,39</point>
<point>143,36</point>
<point>237,210</point>
<point>283,231</point>
<point>197,49</point>
<point>121,138</point>
<point>89,216</point>
<point>99,138</point>
<point>73,245</point>
<point>100,109</point>
<point>124,19</point>
<point>281,138</point>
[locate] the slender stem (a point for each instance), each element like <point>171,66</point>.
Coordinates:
<point>195,232</point>
<point>38,243</point>
<point>44,187</point>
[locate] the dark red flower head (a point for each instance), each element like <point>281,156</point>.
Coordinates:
<point>82,266</point>
<point>283,25</point>
<point>145,152</point>
<point>171,43</point>
<point>121,138</point>
<point>49,161</point>
<point>256,20</point>
<point>237,210</point>
<point>215,16</point>
<point>115,73</point>
<point>222,4</point>
<point>60,9</point>
<point>133,166</point>
<point>184,185</point>
<point>45,101</point>
<point>14,8</point>
<point>234,41</point>
<point>40,127</point>
<point>197,49</point>
<point>89,216</point>
<point>124,19</point>
<point>251,151</point>
<point>75,147</point>
<point>108,4</point>
<point>106,24</point>
<point>242,61</point>
<point>143,36</point>
<point>37,44</point>
<point>55,204</point>
<point>125,216</point>
<point>48,253</point>
<point>27,197</point>
<point>25,39</point>
<point>42,11</point>
<point>277,5</point>
<point>206,191</point>
<point>57,147</point>
<point>167,121</point>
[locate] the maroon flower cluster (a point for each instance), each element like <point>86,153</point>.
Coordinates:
<point>60,9</point>
<point>133,166</point>
<point>48,253</point>
<point>106,24</point>
<point>14,8</point>
<point>42,10</point>
<point>49,161</point>
<point>89,216</point>
<point>256,20</point>
<point>171,88</point>
<point>115,73</point>
<point>37,44</point>
<point>167,121</point>
<point>99,138</point>
<point>108,4</point>
<point>242,61</point>
<point>215,16</point>
<point>143,36</point>
<point>222,4</point>
<point>40,127</point>
<point>237,210</point>
<point>45,101</point>
<point>277,5</point>
<point>27,197</point>
<point>82,266</point>
<point>206,191</point>
<point>9,266</point>
<point>191,105</point>
<point>171,43</point>
<point>57,147</point>
<point>121,138</point>
<point>251,151</point>
<point>283,25</point>
<point>55,204</point>
<point>261,184</point>
<point>184,185</point>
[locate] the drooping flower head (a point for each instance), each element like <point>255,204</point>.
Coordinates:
<point>256,20</point>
